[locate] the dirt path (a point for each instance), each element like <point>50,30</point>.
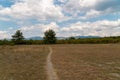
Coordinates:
<point>50,70</point>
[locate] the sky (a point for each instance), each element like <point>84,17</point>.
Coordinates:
<point>66,17</point>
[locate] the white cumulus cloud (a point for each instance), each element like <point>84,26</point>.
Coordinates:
<point>38,29</point>
<point>3,34</point>
<point>90,7</point>
<point>40,9</point>
<point>98,28</point>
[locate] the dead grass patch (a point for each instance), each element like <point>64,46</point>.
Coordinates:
<point>87,62</point>
<point>23,62</point>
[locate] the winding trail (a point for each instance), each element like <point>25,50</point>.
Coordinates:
<point>50,70</point>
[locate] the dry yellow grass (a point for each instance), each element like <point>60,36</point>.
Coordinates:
<point>71,62</point>
<point>23,62</point>
<point>87,62</point>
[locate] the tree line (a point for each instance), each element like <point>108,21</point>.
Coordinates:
<point>50,38</point>
<point>18,38</point>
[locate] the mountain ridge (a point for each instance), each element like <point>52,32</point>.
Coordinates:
<point>82,37</point>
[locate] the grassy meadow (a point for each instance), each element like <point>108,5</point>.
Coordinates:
<point>70,61</point>
<point>87,61</point>
<point>23,62</point>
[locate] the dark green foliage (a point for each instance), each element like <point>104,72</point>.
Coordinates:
<point>104,40</point>
<point>18,37</point>
<point>49,37</point>
<point>71,38</point>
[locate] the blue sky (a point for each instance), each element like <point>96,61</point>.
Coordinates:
<point>66,17</point>
<point>6,3</point>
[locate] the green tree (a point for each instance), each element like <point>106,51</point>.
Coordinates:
<point>49,37</point>
<point>71,38</point>
<point>18,37</point>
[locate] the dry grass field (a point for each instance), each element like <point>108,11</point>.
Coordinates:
<point>23,62</point>
<point>87,61</point>
<point>71,62</point>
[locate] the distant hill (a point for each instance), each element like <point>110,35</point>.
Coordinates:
<point>41,38</point>
<point>35,38</point>
<point>82,37</point>
<point>61,38</point>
